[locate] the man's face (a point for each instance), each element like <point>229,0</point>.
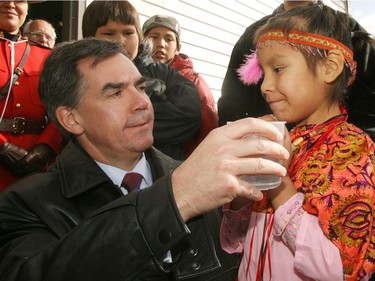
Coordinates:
<point>115,114</point>
<point>42,33</point>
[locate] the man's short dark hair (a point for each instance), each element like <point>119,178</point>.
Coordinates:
<point>61,82</point>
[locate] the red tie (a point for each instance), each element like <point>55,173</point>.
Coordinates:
<point>132,181</point>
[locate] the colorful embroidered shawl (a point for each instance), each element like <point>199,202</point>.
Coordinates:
<point>334,168</point>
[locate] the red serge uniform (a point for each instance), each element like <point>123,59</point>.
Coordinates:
<point>24,100</point>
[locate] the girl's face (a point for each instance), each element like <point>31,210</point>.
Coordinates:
<point>124,33</point>
<point>165,45</point>
<point>293,92</point>
<point>12,15</point>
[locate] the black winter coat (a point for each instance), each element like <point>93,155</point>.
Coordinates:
<point>73,224</point>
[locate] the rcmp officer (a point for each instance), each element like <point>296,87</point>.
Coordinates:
<point>28,142</point>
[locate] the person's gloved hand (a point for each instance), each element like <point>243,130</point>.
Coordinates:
<point>35,160</point>
<point>10,155</point>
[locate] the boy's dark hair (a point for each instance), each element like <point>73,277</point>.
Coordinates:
<point>322,20</point>
<point>98,13</point>
<point>61,83</point>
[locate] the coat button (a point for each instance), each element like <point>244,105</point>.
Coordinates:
<point>193,252</point>
<point>16,83</point>
<point>18,105</point>
<point>195,266</point>
<point>165,236</point>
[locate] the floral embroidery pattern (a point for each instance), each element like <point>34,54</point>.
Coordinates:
<point>335,171</point>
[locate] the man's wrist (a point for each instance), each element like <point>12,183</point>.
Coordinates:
<point>183,198</point>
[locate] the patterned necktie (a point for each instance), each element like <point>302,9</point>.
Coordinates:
<point>132,181</point>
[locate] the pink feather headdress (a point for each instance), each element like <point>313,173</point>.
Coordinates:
<point>250,71</point>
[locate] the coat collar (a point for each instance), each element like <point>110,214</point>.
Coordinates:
<point>181,62</point>
<point>78,172</point>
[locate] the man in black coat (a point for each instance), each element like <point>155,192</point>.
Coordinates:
<point>78,221</point>
<point>239,101</point>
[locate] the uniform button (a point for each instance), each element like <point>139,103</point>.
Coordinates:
<point>195,266</point>
<point>165,236</point>
<point>16,83</point>
<point>18,105</point>
<point>193,252</point>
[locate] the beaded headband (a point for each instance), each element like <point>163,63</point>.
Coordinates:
<point>250,72</point>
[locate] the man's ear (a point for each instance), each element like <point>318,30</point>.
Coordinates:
<point>334,65</point>
<point>68,120</point>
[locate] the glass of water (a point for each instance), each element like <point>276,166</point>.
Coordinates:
<point>265,182</point>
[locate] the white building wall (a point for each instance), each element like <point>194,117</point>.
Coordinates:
<point>210,28</point>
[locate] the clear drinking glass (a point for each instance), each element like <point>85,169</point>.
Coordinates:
<point>265,182</point>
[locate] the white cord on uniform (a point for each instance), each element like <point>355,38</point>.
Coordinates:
<point>11,78</point>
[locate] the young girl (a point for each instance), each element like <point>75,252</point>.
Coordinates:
<point>318,224</point>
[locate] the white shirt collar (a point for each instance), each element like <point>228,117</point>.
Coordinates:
<point>117,174</point>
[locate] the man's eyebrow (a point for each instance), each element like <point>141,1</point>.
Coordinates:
<point>111,86</point>
<point>121,85</point>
